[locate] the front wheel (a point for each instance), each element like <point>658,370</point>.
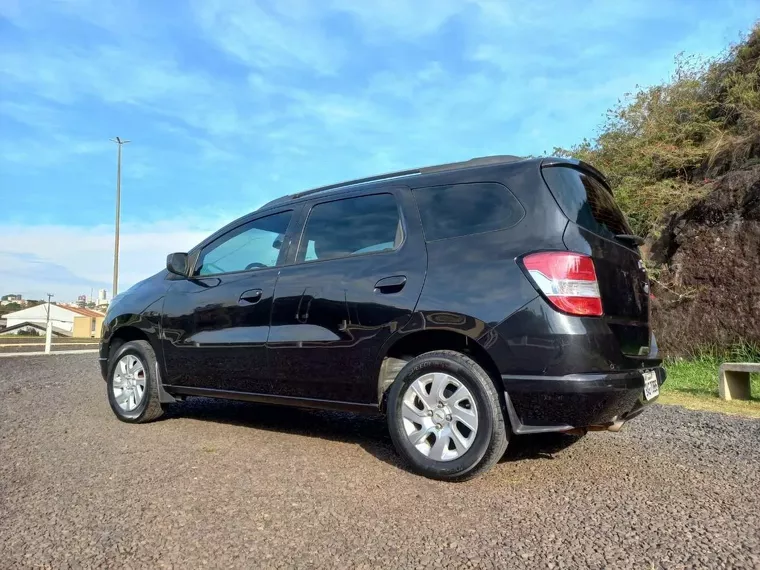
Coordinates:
<point>445,417</point>
<point>132,383</point>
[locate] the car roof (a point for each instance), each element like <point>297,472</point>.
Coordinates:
<point>421,176</point>
<point>401,175</point>
<point>476,164</point>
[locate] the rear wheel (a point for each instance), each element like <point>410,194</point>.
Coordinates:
<point>132,383</point>
<point>445,417</point>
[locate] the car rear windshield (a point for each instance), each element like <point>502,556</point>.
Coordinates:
<point>586,201</point>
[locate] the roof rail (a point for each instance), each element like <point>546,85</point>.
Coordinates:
<point>480,161</point>
<point>374,178</point>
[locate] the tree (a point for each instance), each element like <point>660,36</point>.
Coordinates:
<point>10,308</point>
<point>660,146</point>
<point>28,332</point>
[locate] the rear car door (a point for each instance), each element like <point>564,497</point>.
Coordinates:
<point>358,273</point>
<point>216,321</point>
<point>599,228</point>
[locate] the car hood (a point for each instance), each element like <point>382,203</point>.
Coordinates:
<point>141,293</point>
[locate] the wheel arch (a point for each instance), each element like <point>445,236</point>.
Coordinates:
<point>129,332</point>
<point>125,334</point>
<point>128,327</point>
<point>403,347</point>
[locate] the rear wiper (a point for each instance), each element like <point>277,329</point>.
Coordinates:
<point>636,240</point>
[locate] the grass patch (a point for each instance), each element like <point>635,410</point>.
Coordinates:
<point>694,384</point>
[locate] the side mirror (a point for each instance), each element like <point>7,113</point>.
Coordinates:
<point>177,263</point>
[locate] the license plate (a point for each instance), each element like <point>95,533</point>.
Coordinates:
<point>651,387</point>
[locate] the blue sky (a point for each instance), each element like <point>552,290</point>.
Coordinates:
<point>230,103</point>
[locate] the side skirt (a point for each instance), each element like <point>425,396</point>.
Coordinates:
<point>273,399</point>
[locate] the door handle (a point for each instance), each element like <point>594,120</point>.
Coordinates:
<point>250,297</point>
<point>392,284</point>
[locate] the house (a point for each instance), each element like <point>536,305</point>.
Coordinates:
<point>67,321</point>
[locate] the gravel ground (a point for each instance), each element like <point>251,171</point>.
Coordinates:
<point>228,485</point>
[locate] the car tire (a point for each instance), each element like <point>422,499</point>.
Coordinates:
<point>444,411</point>
<point>132,383</point>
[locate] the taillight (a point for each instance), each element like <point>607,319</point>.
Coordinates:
<point>567,279</point>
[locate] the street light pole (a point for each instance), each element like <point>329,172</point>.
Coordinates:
<point>49,295</point>
<point>114,291</point>
<point>48,327</point>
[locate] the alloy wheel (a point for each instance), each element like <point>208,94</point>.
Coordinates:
<point>440,416</point>
<point>129,382</point>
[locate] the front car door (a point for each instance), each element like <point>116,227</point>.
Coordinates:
<point>216,321</point>
<point>358,272</point>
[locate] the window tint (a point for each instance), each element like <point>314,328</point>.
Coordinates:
<point>465,209</point>
<point>351,227</point>
<point>585,201</point>
<point>253,245</point>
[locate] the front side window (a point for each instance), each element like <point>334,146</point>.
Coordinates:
<point>253,245</point>
<point>353,226</point>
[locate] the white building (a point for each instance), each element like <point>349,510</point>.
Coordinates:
<point>37,316</point>
<point>102,302</point>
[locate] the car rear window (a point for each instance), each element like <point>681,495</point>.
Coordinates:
<point>466,209</point>
<point>586,201</point>
<point>352,226</point>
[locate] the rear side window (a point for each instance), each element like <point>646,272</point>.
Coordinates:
<point>585,201</point>
<point>354,226</point>
<point>466,209</point>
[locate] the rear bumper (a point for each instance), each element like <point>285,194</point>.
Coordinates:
<point>537,404</point>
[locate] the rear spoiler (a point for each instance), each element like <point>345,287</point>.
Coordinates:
<point>577,165</point>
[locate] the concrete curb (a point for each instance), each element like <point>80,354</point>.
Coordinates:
<point>12,344</point>
<point>88,351</point>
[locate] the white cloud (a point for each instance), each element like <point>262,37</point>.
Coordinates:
<point>409,20</point>
<point>265,37</point>
<point>54,149</point>
<point>65,260</point>
<point>300,82</point>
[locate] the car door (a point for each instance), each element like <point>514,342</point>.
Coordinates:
<point>216,321</point>
<point>358,272</point>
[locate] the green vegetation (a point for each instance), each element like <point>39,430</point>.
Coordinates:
<point>661,146</point>
<point>693,383</point>
<point>9,308</point>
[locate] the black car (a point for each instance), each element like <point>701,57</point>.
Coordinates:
<point>467,302</point>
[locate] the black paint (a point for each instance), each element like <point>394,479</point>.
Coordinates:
<point>315,332</point>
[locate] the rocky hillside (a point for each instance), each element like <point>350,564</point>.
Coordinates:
<point>684,162</point>
<point>706,266</point>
